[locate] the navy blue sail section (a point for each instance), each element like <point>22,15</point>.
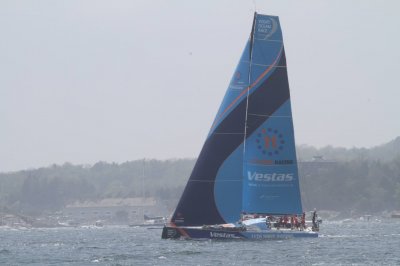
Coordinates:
<point>270,183</point>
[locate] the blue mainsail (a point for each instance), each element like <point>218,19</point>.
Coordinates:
<point>270,176</point>
<point>248,161</point>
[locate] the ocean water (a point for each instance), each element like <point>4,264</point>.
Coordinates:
<point>346,242</point>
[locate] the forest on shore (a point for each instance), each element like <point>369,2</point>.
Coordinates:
<point>337,179</point>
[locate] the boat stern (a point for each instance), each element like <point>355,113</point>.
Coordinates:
<point>169,232</point>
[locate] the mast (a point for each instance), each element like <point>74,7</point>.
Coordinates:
<point>248,90</point>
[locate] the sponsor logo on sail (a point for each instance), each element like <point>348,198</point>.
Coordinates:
<point>270,142</point>
<point>283,161</point>
<point>270,177</point>
<point>272,162</point>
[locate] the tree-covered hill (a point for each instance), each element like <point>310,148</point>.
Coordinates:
<point>51,188</point>
<point>346,180</point>
<point>385,152</point>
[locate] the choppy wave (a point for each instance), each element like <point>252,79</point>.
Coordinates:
<point>351,242</point>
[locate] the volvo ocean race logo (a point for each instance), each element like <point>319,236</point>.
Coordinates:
<point>272,177</point>
<point>270,142</point>
<point>266,27</point>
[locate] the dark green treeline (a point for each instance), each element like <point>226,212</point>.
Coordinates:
<point>345,180</point>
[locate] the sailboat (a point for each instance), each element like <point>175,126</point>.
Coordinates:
<point>245,182</point>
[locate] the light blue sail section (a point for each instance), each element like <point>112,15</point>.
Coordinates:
<point>271,183</point>
<point>228,186</point>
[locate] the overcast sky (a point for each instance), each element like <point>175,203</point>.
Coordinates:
<point>84,81</point>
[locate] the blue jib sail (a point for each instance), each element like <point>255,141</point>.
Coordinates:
<point>248,161</point>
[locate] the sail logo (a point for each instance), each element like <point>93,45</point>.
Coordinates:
<point>266,27</point>
<point>270,142</point>
<point>273,177</point>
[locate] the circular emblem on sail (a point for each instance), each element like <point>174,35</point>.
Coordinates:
<point>266,27</point>
<point>270,141</point>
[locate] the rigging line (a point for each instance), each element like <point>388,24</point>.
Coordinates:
<point>268,40</point>
<point>258,64</point>
<point>239,86</point>
<point>268,65</point>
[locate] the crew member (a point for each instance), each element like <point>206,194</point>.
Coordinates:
<point>303,220</point>
<point>285,221</point>
<point>296,222</point>
<point>314,219</point>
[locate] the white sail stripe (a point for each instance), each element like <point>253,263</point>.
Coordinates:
<point>263,65</point>
<point>264,40</point>
<point>237,88</point>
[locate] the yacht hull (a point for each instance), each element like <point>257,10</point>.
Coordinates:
<point>210,233</point>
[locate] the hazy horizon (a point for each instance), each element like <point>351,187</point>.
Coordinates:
<point>90,164</point>
<point>83,82</point>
